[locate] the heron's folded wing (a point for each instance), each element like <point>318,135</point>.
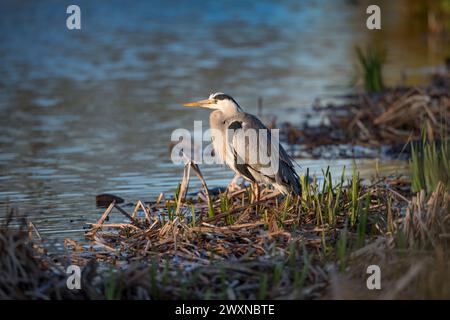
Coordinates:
<point>255,148</point>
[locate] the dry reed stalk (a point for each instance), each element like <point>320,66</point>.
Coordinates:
<point>184,186</point>
<point>425,220</point>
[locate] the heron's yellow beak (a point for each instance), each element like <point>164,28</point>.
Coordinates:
<point>202,103</point>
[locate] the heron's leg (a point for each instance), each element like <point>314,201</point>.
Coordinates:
<point>255,192</point>
<point>233,185</point>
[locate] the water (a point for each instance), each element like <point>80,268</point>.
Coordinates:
<point>91,111</point>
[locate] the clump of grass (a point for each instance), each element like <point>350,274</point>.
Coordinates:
<point>354,195</point>
<point>263,288</point>
<point>429,164</point>
<point>371,62</point>
<point>362,223</point>
<point>112,286</point>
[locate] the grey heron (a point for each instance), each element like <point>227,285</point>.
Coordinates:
<point>229,125</point>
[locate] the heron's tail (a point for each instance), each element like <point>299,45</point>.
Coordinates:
<point>288,182</point>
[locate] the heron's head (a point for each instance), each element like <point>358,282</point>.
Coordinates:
<point>219,101</point>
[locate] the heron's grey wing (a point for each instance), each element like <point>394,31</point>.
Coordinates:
<point>248,121</point>
<point>234,147</point>
<point>265,159</point>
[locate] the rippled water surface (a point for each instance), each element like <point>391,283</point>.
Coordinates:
<point>92,111</point>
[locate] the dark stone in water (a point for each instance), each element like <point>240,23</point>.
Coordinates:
<point>216,191</point>
<point>105,199</point>
<point>212,192</point>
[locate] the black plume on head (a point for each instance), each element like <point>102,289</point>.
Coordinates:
<point>223,96</point>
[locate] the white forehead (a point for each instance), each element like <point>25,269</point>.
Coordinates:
<point>213,95</point>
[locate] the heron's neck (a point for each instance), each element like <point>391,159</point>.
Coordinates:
<point>229,110</point>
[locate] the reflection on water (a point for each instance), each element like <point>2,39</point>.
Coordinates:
<point>91,111</point>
